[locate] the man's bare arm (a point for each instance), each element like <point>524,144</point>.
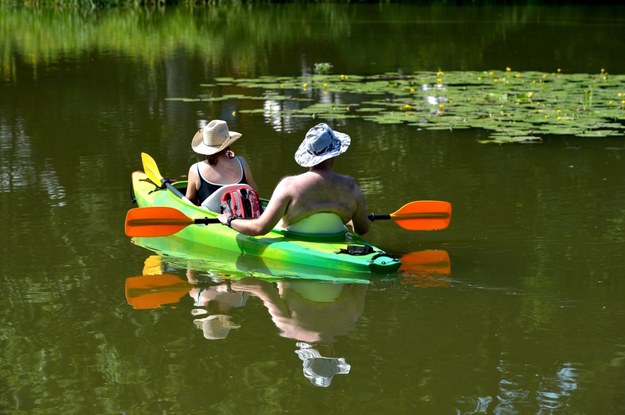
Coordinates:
<point>270,217</point>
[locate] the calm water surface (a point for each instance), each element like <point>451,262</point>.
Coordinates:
<point>526,318</point>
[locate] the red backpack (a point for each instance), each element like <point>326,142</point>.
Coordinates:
<point>242,202</point>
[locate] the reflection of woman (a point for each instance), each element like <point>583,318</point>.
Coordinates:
<point>216,301</point>
<point>314,314</point>
<point>217,298</point>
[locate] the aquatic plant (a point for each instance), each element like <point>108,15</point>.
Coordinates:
<point>323,68</point>
<point>514,107</point>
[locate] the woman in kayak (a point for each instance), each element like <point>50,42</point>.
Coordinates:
<point>319,201</point>
<point>220,167</point>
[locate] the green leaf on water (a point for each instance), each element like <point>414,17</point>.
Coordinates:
<point>516,107</point>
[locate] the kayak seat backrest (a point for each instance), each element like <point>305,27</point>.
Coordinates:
<point>321,223</point>
<point>213,202</point>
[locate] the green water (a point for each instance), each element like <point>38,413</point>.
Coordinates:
<point>527,318</point>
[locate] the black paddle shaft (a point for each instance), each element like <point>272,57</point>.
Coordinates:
<point>378,216</point>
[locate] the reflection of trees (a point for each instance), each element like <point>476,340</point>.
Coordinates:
<point>248,41</point>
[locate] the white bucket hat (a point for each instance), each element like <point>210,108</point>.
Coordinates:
<point>213,138</point>
<point>321,143</point>
<point>320,370</point>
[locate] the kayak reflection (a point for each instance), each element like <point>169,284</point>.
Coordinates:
<point>155,288</point>
<point>237,265</point>
<point>312,313</point>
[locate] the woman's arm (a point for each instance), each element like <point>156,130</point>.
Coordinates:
<point>192,186</point>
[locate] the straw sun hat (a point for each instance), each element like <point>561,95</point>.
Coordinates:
<point>213,138</point>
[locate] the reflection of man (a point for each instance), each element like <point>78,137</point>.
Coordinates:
<point>314,314</point>
<point>320,370</point>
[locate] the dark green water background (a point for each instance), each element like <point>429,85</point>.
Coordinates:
<point>531,319</point>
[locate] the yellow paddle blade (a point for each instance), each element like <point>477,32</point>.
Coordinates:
<point>150,168</point>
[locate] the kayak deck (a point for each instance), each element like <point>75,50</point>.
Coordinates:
<point>277,246</point>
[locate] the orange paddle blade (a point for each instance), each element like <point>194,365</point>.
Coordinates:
<point>152,291</point>
<point>155,221</point>
<point>423,215</point>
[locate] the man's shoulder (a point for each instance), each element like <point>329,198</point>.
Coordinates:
<point>297,178</point>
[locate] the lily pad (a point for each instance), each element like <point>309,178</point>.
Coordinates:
<point>517,107</point>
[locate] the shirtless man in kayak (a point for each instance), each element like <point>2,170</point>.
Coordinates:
<point>319,190</point>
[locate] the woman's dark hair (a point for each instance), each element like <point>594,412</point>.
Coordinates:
<point>214,158</point>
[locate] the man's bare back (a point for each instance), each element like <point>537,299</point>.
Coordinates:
<point>321,190</point>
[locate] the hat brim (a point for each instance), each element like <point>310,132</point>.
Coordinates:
<point>305,159</point>
<point>216,326</point>
<point>197,144</point>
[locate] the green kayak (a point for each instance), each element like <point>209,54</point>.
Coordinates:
<point>278,252</point>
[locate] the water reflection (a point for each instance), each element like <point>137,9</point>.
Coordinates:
<point>20,173</point>
<point>153,291</point>
<point>426,269</point>
<point>214,302</point>
<point>312,313</point>
<point>435,97</point>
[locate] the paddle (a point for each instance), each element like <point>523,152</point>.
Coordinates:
<point>151,170</point>
<point>159,221</point>
<point>422,215</point>
<point>163,221</point>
